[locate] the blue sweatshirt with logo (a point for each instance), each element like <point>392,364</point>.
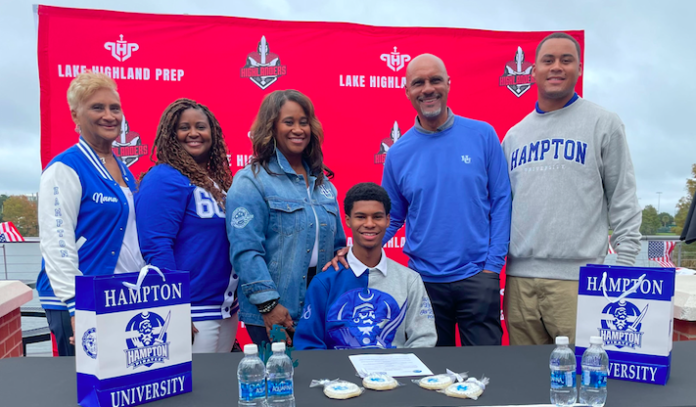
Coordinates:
<point>452,190</point>
<point>181,227</point>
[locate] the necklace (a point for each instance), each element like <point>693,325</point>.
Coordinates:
<point>103,160</point>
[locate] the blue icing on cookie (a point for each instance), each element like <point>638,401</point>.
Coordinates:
<point>376,379</point>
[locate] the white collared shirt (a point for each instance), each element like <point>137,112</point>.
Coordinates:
<point>359,268</point>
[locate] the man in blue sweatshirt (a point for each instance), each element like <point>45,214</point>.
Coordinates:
<point>447,179</point>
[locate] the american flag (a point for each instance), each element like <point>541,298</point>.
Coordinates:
<point>611,249</point>
<point>660,252</point>
<point>9,233</point>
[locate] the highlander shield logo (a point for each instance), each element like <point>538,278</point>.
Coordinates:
<point>518,75</point>
<point>395,60</point>
<point>146,338</point>
<point>263,67</point>
<point>121,50</point>
<point>128,147</point>
<point>387,143</point>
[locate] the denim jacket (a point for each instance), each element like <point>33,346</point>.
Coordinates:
<point>271,229</point>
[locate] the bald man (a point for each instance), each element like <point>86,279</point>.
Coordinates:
<point>447,179</point>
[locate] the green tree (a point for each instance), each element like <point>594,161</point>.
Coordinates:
<point>3,198</point>
<point>685,203</point>
<point>665,219</point>
<point>19,210</point>
<point>651,221</point>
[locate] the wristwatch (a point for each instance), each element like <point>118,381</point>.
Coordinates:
<point>267,307</point>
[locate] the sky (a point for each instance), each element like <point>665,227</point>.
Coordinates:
<point>638,61</point>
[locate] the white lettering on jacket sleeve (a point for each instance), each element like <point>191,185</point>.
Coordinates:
<point>59,205</point>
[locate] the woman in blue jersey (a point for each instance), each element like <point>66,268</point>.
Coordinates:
<point>181,203</point>
<point>86,211</point>
<point>282,214</point>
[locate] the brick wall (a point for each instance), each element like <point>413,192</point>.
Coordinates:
<point>11,335</point>
<point>684,330</point>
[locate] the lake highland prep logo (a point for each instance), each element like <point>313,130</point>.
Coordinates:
<point>146,339</point>
<point>121,50</point>
<point>395,60</point>
<point>387,143</point>
<point>128,147</point>
<point>518,75</point>
<point>263,67</point>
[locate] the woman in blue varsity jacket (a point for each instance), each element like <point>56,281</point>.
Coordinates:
<point>86,211</point>
<point>180,203</point>
<point>282,214</point>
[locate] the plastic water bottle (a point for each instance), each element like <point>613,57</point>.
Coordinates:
<point>562,365</point>
<point>280,387</point>
<point>251,375</point>
<point>595,368</point>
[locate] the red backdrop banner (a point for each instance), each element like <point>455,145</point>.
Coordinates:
<point>353,73</point>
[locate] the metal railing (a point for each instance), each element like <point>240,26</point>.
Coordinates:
<point>25,264</point>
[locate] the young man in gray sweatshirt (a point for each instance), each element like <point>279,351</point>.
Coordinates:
<point>572,179</point>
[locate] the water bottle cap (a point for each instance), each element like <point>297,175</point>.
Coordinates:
<point>596,340</point>
<point>251,349</point>
<point>562,340</point>
<point>278,347</point>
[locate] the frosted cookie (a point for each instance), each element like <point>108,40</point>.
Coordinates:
<point>472,388</point>
<point>342,390</point>
<point>436,382</point>
<point>380,382</point>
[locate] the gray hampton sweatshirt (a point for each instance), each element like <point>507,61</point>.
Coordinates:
<point>572,178</point>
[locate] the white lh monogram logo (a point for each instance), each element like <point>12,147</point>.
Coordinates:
<point>466,159</point>
<point>395,60</point>
<point>121,50</point>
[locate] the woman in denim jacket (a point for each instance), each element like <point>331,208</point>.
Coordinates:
<point>282,215</point>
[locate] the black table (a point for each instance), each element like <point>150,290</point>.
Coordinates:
<point>519,375</point>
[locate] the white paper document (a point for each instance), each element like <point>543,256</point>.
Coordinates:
<point>395,365</point>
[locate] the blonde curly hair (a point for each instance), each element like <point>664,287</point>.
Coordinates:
<point>87,84</point>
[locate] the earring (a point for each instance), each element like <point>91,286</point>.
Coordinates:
<point>78,130</point>
<point>275,145</point>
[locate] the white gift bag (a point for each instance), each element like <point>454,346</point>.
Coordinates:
<point>132,337</point>
<point>632,309</point>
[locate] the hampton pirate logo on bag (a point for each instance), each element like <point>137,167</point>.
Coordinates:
<point>621,321</point>
<point>621,326</point>
<point>146,338</point>
<point>128,146</point>
<point>263,67</point>
<point>387,143</point>
<point>518,75</point>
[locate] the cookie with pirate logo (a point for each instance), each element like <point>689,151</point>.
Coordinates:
<point>436,382</point>
<point>342,390</point>
<point>379,381</point>
<point>460,390</point>
<point>472,388</point>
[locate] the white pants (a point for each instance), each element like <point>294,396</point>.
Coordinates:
<point>216,336</point>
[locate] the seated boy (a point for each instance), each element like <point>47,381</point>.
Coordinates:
<point>376,303</point>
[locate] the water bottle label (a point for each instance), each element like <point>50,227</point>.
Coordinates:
<point>595,379</point>
<point>280,388</point>
<point>561,380</point>
<point>252,391</point>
